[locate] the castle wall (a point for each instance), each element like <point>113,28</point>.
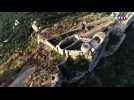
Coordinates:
<point>44,41</point>
<point>74,53</point>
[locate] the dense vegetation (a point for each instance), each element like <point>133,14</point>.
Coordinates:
<point>79,64</point>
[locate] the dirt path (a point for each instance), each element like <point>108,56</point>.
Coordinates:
<point>20,81</point>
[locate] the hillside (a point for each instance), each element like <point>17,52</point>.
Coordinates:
<point>18,49</point>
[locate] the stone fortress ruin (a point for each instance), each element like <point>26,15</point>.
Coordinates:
<point>93,40</point>
<point>90,40</point>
